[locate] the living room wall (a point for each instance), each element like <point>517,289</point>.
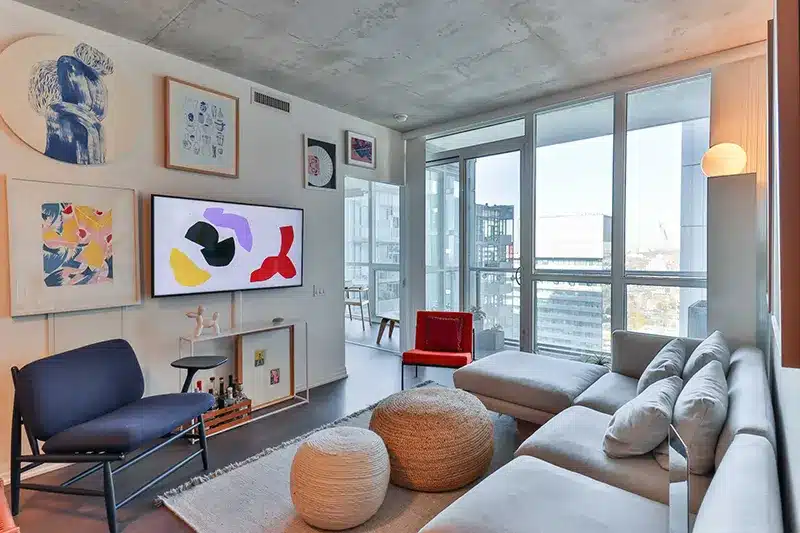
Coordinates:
<point>270,173</point>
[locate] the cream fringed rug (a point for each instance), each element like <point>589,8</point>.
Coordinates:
<point>253,496</point>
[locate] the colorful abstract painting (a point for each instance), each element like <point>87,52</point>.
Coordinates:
<point>360,150</point>
<point>76,245</point>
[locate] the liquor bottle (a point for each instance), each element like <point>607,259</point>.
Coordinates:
<point>199,387</point>
<point>213,386</point>
<point>230,381</point>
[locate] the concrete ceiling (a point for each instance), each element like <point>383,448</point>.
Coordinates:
<point>432,59</point>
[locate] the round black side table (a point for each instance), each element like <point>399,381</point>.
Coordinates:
<point>193,364</point>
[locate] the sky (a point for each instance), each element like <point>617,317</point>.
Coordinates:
<point>576,178</point>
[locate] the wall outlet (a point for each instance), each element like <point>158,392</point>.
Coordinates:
<point>318,291</point>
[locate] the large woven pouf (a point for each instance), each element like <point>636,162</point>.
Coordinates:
<point>339,477</point>
<point>438,439</point>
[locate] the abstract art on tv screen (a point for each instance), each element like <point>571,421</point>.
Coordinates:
<point>71,247</point>
<point>360,150</point>
<point>61,96</point>
<point>202,129</point>
<point>209,246</point>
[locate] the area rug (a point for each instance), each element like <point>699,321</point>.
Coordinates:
<point>253,496</point>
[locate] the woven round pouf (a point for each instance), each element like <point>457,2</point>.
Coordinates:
<point>339,477</point>
<point>438,439</point>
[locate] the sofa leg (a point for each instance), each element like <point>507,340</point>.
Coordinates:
<point>111,502</point>
<point>203,443</point>
<point>416,371</point>
<point>16,465</point>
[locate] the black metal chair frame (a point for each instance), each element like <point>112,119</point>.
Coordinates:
<point>104,461</point>
<point>416,371</point>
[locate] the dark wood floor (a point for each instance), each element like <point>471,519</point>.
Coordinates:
<point>367,335</point>
<point>373,375</point>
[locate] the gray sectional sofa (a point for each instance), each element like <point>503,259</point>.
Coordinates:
<point>562,481</point>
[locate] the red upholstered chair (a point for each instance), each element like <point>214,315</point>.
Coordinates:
<point>444,339</point>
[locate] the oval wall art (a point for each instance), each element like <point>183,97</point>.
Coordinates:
<point>61,96</point>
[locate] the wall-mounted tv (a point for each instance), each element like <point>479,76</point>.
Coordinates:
<point>202,246</point>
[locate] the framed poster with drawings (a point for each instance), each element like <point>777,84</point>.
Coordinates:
<point>265,366</point>
<point>71,247</point>
<point>202,129</point>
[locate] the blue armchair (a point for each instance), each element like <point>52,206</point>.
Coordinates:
<point>86,406</point>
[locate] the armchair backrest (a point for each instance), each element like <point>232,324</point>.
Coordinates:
<point>427,322</point>
<point>61,391</point>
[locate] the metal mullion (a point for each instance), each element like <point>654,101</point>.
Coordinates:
<point>691,283</point>
<point>618,297</point>
<point>463,260</point>
<point>527,315</point>
<point>565,277</point>
<point>480,150</point>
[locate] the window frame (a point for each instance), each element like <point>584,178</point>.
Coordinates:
<point>373,267</point>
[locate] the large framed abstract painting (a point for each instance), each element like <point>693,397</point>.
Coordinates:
<point>63,97</point>
<point>320,164</point>
<point>360,150</point>
<point>72,247</point>
<point>202,129</point>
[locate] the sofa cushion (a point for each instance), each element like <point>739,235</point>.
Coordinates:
<point>127,428</point>
<point>67,389</point>
<point>450,359</point>
<point>574,440</point>
<point>532,496</point>
<point>744,496</point>
<point>713,348</point>
<point>608,393</point>
<point>669,361</point>
<point>632,351</point>
<point>749,401</point>
<point>643,423</point>
<point>699,415</point>
<point>544,383</point>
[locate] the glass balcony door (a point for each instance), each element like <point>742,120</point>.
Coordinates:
<point>493,249</point>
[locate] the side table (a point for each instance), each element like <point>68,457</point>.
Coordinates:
<point>193,364</point>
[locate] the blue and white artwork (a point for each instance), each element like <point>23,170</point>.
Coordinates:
<point>202,129</point>
<point>59,96</point>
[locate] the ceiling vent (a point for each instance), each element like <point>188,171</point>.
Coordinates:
<point>263,99</point>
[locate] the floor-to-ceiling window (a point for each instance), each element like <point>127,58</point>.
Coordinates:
<point>611,211</point>
<point>372,242</point>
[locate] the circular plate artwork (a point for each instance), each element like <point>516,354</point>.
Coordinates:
<point>62,97</point>
<point>320,166</point>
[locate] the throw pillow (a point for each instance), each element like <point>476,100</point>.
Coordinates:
<point>442,334</point>
<point>643,423</point>
<point>668,362</point>
<point>699,415</point>
<point>714,348</point>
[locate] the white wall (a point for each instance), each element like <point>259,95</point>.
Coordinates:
<point>270,172</point>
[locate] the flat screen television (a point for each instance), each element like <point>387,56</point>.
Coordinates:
<point>202,246</point>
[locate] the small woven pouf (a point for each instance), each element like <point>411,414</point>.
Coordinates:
<point>339,477</point>
<point>439,439</point>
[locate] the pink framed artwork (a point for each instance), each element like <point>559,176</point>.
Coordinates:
<point>360,150</point>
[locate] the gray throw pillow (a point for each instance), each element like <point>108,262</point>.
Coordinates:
<point>643,423</point>
<point>699,415</point>
<point>668,362</point>
<point>714,348</point>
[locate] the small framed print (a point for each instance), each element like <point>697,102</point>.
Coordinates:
<point>202,129</point>
<point>320,164</point>
<point>360,150</point>
<point>275,376</point>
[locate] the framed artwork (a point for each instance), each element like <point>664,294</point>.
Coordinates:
<point>320,164</point>
<point>72,247</point>
<point>265,366</point>
<point>64,98</point>
<point>360,150</point>
<point>202,129</point>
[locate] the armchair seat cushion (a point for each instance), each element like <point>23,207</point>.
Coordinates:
<point>127,428</point>
<point>449,359</point>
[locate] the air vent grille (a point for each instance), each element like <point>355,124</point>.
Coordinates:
<point>266,100</point>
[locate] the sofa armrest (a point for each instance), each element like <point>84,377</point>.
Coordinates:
<point>631,352</point>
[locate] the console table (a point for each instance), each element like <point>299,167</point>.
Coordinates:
<point>186,348</point>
